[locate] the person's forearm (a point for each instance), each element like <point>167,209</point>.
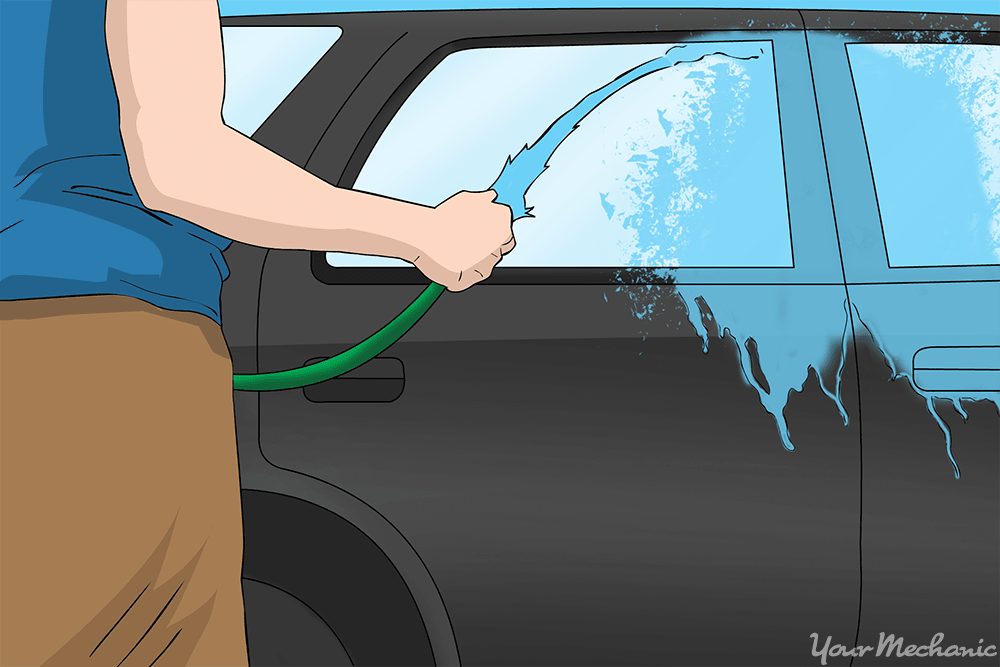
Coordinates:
<point>228,184</point>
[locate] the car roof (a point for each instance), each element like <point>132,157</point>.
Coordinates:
<point>257,7</point>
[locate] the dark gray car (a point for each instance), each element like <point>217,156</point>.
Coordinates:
<point>720,425</point>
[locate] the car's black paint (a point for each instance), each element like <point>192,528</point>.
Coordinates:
<point>336,570</point>
<point>576,502</point>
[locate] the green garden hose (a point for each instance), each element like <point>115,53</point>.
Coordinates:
<point>347,360</point>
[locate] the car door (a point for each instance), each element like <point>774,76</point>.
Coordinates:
<point>911,147</point>
<point>637,441</point>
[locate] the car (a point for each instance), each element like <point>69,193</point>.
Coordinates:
<point>732,400</point>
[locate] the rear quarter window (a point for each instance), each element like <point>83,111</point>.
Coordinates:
<point>931,120</point>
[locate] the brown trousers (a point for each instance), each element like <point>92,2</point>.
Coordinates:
<point>121,536</point>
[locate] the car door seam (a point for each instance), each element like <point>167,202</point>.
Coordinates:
<point>857,371</point>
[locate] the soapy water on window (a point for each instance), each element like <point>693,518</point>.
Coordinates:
<point>930,115</point>
<point>690,175</point>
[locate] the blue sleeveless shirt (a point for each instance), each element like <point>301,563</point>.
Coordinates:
<point>71,222</point>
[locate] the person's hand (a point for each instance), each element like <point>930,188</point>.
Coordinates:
<point>467,236</point>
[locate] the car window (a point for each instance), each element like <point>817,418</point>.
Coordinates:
<point>929,113</point>
<point>263,64</point>
<point>682,168</point>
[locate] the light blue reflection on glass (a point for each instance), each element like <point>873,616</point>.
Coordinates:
<point>688,158</point>
<point>263,65</point>
<point>933,136</point>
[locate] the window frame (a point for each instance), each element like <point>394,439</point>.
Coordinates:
<point>815,259</point>
<point>865,253</point>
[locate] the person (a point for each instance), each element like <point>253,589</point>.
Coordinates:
<point>121,527</point>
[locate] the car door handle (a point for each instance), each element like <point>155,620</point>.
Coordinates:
<point>380,380</point>
<point>958,368</point>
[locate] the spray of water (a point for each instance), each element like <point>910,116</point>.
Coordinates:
<point>522,170</point>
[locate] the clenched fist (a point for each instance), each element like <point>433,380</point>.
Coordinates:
<point>467,236</point>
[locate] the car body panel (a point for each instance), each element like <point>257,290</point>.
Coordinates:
<point>593,486</point>
<point>587,466</point>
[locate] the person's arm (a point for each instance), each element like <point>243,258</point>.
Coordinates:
<point>166,60</point>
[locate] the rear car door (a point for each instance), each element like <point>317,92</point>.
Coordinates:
<point>908,110</point>
<point>638,440</point>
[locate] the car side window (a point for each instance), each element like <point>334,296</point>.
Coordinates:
<point>682,168</point>
<point>929,114</point>
<point>263,64</point>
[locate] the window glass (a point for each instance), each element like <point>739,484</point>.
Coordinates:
<point>683,167</point>
<point>931,123</point>
<point>264,64</point>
